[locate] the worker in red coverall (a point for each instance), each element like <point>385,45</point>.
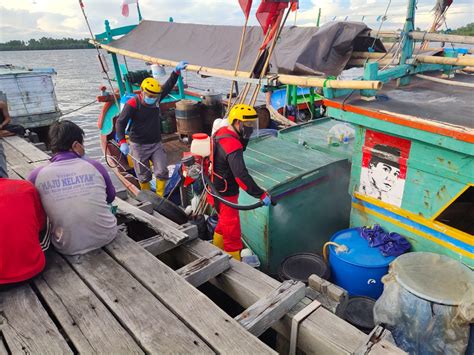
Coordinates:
<point>22,218</point>
<point>229,173</point>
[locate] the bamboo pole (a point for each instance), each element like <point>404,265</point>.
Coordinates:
<point>370,55</point>
<point>237,63</point>
<point>460,61</point>
<point>303,81</point>
<point>433,37</point>
<point>383,61</point>
<point>444,81</point>
<point>270,53</point>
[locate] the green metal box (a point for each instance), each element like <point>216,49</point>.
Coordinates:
<point>314,135</point>
<point>311,190</point>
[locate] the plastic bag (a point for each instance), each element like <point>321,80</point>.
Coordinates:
<point>342,131</point>
<point>418,325</point>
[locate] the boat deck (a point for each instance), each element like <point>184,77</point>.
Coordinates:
<point>123,299</point>
<point>423,99</point>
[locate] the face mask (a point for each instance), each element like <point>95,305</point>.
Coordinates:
<point>150,100</point>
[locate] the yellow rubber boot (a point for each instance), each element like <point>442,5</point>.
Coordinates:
<point>218,240</point>
<point>234,254</point>
<point>145,185</point>
<point>130,161</point>
<point>160,187</point>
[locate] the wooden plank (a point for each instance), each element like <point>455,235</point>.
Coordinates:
<point>322,332</point>
<point>265,312</point>
<point>12,174</point>
<point>151,324</point>
<point>156,245</point>
<point>14,157</point>
<point>85,320</point>
<point>170,233</point>
<point>26,148</point>
<point>3,349</point>
<point>26,326</point>
<point>220,330</point>
<point>203,269</point>
<point>25,170</point>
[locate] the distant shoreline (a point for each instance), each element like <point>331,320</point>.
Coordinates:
<point>46,44</point>
<point>43,49</point>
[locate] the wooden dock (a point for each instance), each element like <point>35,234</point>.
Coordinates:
<point>123,299</point>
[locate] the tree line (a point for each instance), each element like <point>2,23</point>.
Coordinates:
<point>467,30</point>
<point>45,43</point>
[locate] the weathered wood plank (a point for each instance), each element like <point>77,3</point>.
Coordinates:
<point>265,312</point>
<point>26,326</point>
<point>322,332</point>
<point>221,331</point>
<point>85,320</point>
<point>151,324</point>
<point>203,269</point>
<point>170,233</point>
<point>12,174</point>
<point>156,245</point>
<point>26,148</point>
<point>3,349</point>
<point>25,170</point>
<point>14,157</point>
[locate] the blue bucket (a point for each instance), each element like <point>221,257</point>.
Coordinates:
<point>360,269</point>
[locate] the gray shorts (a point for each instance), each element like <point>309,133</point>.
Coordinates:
<point>145,153</point>
<point>3,163</point>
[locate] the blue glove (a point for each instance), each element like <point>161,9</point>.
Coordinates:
<point>181,66</point>
<point>124,148</point>
<point>267,200</point>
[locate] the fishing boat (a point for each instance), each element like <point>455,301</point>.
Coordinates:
<point>298,66</point>
<point>30,96</point>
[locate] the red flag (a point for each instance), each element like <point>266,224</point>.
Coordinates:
<point>295,5</point>
<point>269,11</point>
<point>246,5</point>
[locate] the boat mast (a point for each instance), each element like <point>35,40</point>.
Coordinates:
<point>409,27</point>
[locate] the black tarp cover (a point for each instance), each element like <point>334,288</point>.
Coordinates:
<point>300,50</point>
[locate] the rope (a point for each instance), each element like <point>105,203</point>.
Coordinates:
<point>79,108</point>
<point>81,5</point>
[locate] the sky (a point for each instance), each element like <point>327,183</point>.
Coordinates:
<point>25,19</point>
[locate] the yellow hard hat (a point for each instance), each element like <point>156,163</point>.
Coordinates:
<point>151,86</point>
<point>242,112</point>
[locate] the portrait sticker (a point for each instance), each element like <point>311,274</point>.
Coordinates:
<point>384,167</point>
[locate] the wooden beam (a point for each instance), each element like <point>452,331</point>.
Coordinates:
<point>26,326</point>
<point>167,231</point>
<point>85,320</point>
<point>151,324</point>
<point>265,312</point>
<point>199,313</point>
<point>322,332</point>
<point>157,245</point>
<point>203,269</point>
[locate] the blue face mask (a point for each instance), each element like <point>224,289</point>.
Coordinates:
<point>149,100</point>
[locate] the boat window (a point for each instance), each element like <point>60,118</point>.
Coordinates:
<point>460,214</point>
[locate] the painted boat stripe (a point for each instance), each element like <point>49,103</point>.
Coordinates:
<point>443,243</point>
<point>402,221</point>
<point>434,225</point>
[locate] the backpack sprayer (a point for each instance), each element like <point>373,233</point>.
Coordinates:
<point>197,165</point>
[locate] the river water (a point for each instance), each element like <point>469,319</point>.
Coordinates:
<point>78,80</point>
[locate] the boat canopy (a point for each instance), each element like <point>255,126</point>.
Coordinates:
<point>299,51</point>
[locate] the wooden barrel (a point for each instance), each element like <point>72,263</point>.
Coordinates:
<point>188,118</point>
<point>212,109</point>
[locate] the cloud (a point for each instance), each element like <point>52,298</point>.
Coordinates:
<point>25,19</point>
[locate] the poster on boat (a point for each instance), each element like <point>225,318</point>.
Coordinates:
<point>384,167</point>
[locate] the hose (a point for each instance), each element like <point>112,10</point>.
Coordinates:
<point>339,248</point>
<point>214,193</point>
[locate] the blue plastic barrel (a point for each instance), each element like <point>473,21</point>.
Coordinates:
<point>360,269</point>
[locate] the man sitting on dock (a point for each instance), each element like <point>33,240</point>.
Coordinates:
<point>76,193</point>
<point>22,218</point>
